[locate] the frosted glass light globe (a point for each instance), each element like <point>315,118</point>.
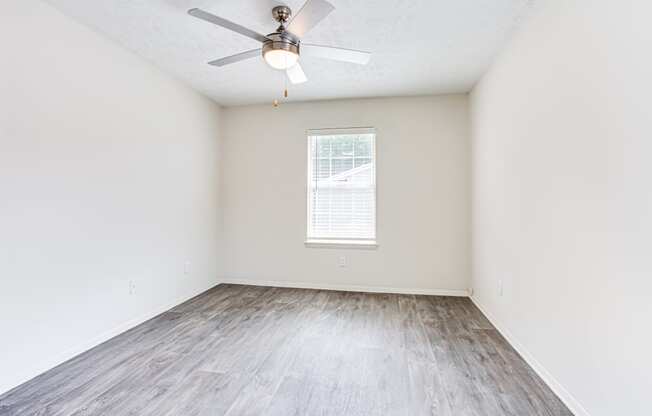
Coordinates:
<point>280,58</point>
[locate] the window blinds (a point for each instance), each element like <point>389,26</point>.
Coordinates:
<point>342,184</point>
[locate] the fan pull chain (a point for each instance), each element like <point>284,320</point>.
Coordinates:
<point>285,78</point>
<point>275,103</point>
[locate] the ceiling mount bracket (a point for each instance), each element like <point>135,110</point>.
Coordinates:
<point>281,14</point>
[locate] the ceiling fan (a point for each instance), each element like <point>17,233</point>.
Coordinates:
<point>281,49</point>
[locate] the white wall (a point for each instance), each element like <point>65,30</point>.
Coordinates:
<point>423,194</point>
<point>108,172</point>
<point>551,121</point>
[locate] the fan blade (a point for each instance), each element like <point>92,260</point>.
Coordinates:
<point>312,12</point>
<point>337,54</point>
<point>200,14</point>
<point>236,58</point>
<point>296,74</point>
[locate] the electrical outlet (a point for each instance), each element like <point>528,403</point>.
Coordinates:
<point>500,287</point>
<point>341,261</point>
<point>132,287</point>
<point>186,267</point>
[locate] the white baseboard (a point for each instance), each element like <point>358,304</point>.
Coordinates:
<point>569,400</point>
<point>51,362</point>
<point>347,288</point>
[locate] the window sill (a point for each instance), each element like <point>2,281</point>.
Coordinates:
<point>355,244</point>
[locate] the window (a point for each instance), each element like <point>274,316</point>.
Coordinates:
<point>342,187</point>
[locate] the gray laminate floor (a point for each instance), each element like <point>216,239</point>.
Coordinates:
<point>246,350</point>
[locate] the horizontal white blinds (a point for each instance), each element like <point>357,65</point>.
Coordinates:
<point>342,184</point>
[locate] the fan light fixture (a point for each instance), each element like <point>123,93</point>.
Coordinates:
<point>280,58</point>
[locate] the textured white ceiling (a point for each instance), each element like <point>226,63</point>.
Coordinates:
<point>419,46</point>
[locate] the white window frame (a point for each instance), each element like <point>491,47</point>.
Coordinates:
<point>352,243</point>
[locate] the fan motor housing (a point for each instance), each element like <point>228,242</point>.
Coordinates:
<point>282,41</point>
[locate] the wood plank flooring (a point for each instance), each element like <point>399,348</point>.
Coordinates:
<point>247,350</point>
